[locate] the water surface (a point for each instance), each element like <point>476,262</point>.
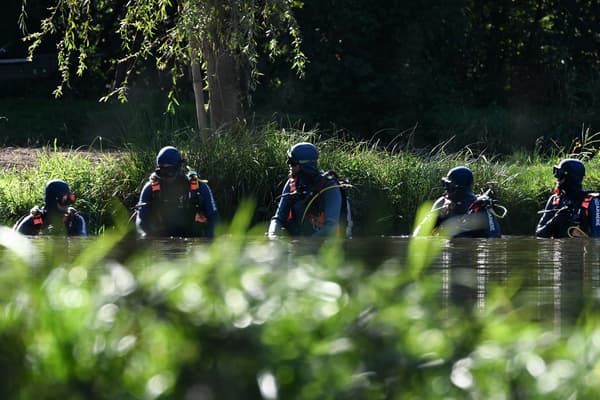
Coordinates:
<point>553,278</point>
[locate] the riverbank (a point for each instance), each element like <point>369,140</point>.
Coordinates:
<point>27,157</point>
<point>388,185</point>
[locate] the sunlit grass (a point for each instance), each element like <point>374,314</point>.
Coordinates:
<point>95,184</point>
<point>388,185</point>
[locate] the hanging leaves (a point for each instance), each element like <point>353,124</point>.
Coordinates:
<point>170,34</point>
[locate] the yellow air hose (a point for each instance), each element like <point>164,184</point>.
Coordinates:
<point>317,195</point>
<point>577,229</point>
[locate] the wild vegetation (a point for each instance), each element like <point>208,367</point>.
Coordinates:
<point>389,183</point>
<point>85,319</point>
<point>499,75</point>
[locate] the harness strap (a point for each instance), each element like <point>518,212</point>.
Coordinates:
<point>290,216</point>
<point>199,217</point>
<point>474,207</point>
<point>194,186</point>
<point>317,195</point>
<point>586,202</point>
<point>477,205</point>
<point>193,179</point>
<point>155,183</point>
<point>321,186</point>
<point>38,217</point>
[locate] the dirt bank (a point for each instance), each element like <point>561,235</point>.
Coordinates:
<point>19,157</point>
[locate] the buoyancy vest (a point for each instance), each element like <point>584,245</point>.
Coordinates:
<point>39,218</point>
<point>587,199</point>
<point>483,203</point>
<point>584,208</point>
<point>313,214</point>
<point>579,223</point>
<point>585,203</point>
<point>458,216</point>
<point>194,196</point>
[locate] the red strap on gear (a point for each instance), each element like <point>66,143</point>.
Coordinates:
<point>586,202</point>
<point>194,184</point>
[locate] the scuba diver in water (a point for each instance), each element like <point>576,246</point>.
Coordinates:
<point>313,202</point>
<point>460,213</point>
<point>570,211</point>
<point>175,202</point>
<point>56,216</point>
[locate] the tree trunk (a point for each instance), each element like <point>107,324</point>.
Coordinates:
<point>198,85</point>
<point>224,83</point>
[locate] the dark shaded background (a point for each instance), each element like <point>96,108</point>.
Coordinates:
<point>492,74</point>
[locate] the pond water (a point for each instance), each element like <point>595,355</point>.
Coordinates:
<point>554,278</point>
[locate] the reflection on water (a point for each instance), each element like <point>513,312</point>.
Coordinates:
<point>550,277</point>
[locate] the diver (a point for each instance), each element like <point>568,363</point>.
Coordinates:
<point>313,202</point>
<point>571,211</point>
<point>56,217</point>
<point>460,213</point>
<point>174,201</point>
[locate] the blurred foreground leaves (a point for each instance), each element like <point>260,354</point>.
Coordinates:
<point>244,317</point>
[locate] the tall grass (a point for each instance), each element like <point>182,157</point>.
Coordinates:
<point>389,184</point>
<point>96,184</point>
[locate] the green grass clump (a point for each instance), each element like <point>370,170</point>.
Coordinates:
<point>96,184</point>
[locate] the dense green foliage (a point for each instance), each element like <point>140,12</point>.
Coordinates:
<point>218,41</point>
<point>251,163</point>
<point>495,74</point>
<point>244,318</point>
